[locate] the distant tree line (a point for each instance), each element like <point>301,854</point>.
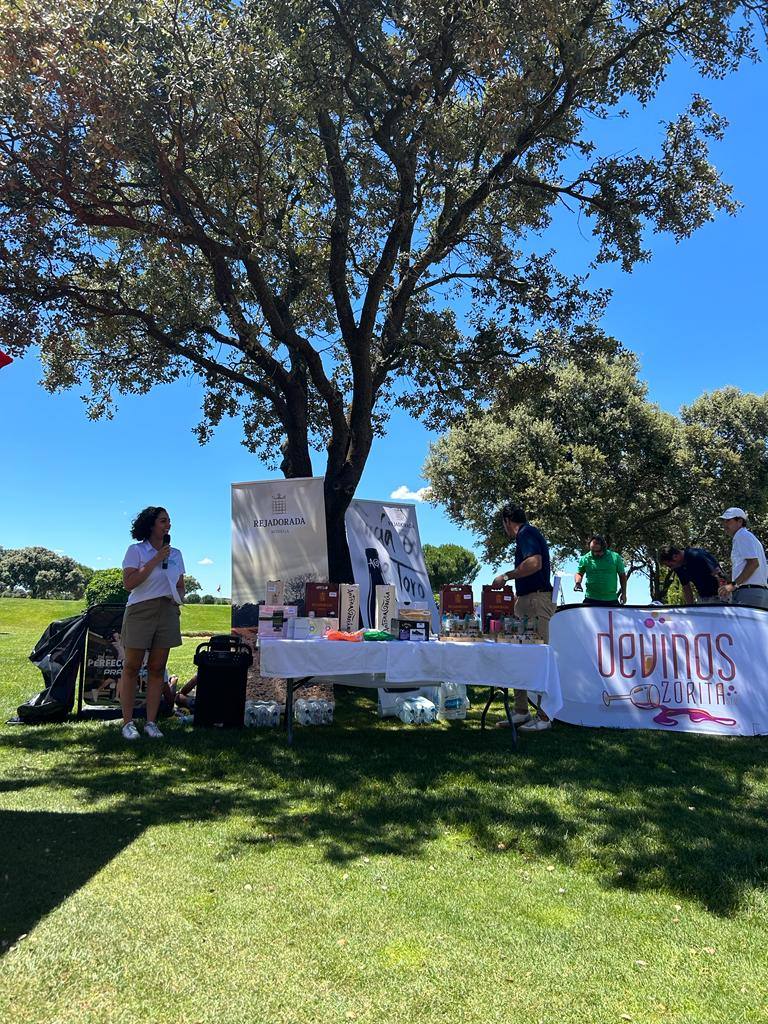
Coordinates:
<point>38,572</point>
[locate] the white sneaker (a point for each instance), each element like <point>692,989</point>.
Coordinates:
<point>518,719</point>
<point>536,725</point>
<point>151,730</point>
<point>130,732</point>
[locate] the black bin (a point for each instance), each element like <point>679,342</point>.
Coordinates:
<point>222,672</point>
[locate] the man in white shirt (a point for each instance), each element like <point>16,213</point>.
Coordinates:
<point>749,572</point>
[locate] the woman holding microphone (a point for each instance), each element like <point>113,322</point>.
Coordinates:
<point>153,575</point>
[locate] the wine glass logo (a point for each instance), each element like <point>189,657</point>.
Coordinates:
<point>646,697</point>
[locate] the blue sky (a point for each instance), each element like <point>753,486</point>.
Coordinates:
<point>695,315</point>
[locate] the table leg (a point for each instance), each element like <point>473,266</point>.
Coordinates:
<point>512,729</point>
<point>289,711</point>
<point>488,703</point>
<point>291,686</point>
<point>507,710</point>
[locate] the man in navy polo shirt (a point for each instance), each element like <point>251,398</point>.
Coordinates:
<point>695,566</point>
<point>534,594</point>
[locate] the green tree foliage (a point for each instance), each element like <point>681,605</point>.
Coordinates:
<point>450,563</point>
<point>191,585</point>
<point>208,599</point>
<point>192,598</point>
<point>41,572</point>
<point>727,438</point>
<point>590,454</point>
<point>288,200</point>
<point>673,588</point>
<point>106,587</point>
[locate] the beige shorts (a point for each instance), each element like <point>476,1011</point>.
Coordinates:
<point>153,623</point>
<point>537,605</point>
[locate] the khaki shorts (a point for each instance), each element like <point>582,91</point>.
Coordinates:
<point>537,605</point>
<point>153,623</point>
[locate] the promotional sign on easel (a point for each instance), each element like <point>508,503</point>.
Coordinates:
<point>278,533</point>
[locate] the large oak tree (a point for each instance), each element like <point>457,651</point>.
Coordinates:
<point>291,199</point>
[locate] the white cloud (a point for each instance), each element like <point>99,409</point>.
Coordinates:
<point>403,494</point>
<point>205,561</point>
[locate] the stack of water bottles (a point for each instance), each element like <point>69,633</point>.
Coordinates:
<point>313,712</point>
<point>262,712</point>
<point>416,710</point>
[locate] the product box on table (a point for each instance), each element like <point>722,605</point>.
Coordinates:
<point>410,629</point>
<point>273,619</point>
<point>456,601</point>
<point>305,628</point>
<point>413,614</point>
<point>321,599</point>
<point>386,606</point>
<point>349,607</point>
<point>275,592</point>
<point>495,603</point>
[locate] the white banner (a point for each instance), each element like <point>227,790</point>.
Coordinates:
<point>681,669</point>
<point>278,533</point>
<point>385,547</point>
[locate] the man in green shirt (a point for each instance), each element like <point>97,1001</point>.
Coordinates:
<point>605,571</point>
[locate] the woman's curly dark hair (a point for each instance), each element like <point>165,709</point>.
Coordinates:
<point>141,527</point>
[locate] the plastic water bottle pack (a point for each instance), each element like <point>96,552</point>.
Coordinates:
<point>313,712</point>
<point>416,710</point>
<point>262,712</point>
<point>453,702</point>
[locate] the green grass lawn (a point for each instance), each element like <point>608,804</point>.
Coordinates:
<point>375,872</point>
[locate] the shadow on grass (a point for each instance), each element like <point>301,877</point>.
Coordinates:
<point>46,856</point>
<point>639,810</point>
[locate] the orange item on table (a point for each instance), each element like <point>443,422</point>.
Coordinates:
<point>339,634</point>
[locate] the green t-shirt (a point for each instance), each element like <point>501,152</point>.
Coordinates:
<point>602,574</point>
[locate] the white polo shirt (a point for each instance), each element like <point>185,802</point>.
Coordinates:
<point>160,582</point>
<point>745,545</point>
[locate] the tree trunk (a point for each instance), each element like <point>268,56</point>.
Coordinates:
<point>659,587</point>
<point>345,467</point>
<point>341,480</point>
<point>339,560</point>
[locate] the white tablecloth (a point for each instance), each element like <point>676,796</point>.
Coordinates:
<point>523,666</point>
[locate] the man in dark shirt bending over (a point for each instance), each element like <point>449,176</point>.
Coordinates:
<point>697,566</point>
<point>534,594</point>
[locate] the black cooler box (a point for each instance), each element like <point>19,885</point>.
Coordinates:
<point>222,672</point>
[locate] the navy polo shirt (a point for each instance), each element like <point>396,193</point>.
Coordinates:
<point>697,568</point>
<point>530,541</point>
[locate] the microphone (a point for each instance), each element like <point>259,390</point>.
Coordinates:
<point>166,540</point>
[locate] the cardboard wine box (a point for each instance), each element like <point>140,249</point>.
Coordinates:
<point>273,618</point>
<point>321,599</point>
<point>349,607</point>
<point>456,601</point>
<point>495,603</point>
<point>386,606</point>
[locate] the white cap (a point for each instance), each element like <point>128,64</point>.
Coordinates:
<point>733,513</point>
